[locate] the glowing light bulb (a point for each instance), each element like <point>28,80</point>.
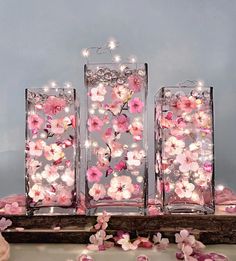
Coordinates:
<point>220,187</point>
<point>67,109</point>
<point>85,53</point>
<point>117,58</point>
<point>112,44</point>
<point>199,86</point>
<point>187,131</point>
<point>195,196</point>
<point>43,136</point>
<point>87,143</point>
<point>68,84</point>
<point>94,105</point>
<point>122,67</point>
<point>45,88</point>
<point>91,111</point>
<point>132,59</point>
<point>53,84</point>
<point>187,118</point>
<point>139,179</point>
<point>134,145</point>
<point>95,144</point>
<point>101,111</point>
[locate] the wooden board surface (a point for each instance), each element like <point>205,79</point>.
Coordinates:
<point>210,229</point>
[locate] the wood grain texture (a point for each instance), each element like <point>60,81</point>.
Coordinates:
<point>210,229</point>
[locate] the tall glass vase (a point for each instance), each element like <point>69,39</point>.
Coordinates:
<point>116,145</point>
<point>185,148</point>
<point>51,156</point>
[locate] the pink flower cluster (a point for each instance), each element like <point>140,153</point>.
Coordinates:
<point>51,133</point>
<point>115,115</point>
<point>186,161</point>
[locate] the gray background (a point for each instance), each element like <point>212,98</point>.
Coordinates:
<point>180,39</point>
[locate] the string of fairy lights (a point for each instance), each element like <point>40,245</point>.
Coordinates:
<point>109,47</point>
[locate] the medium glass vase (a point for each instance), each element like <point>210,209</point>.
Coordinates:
<point>51,155</point>
<point>116,145</point>
<point>185,148</point>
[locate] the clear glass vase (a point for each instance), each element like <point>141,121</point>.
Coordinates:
<point>116,145</point>
<point>51,155</point>
<point>185,148</point>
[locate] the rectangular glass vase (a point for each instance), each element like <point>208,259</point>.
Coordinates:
<point>116,145</point>
<point>184,149</point>
<point>51,155</point>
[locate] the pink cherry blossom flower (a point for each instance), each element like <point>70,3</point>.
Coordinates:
<point>102,156</point>
<point>73,121</point>
<point>202,119</point>
<point>68,177</point>
<point>186,104</point>
<point>116,149</point>
<point>120,166</point>
<point>184,189</point>
<point>161,243</point>
<point>179,127</point>
<point>53,152</point>
<point>53,105</point>
<point>5,223</point>
<point>203,178</point>
<point>94,174</point>
<point>135,105</point>
<point>207,166</point>
<point>36,148</point>
<point>98,241</point>
<point>32,165</point>
<point>58,126</point>
<point>34,122</point>
<point>64,197</point>
<point>174,146</point>
<point>103,163</point>
<point>142,258</point>
<point>37,178</point>
<point>136,129</point>
<point>12,209</point>
<point>102,221</point>
<point>143,242</point>
<point>167,120</point>
<point>121,123</point>
<point>126,243</point>
<point>97,191</point>
<point>188,161</point>
<point>121,187</point>
<point>121,92</point>
<point>98,93</point>
<point>94,123</point>
<point>135,157</point>
<point>37,192</point>
<point>188,245</point>
<point>108,135</point>
<point>49,198</point>
<point>50,173</point>
<point>135,83</point>
<point>84,257</point>
<point>114,107</point>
